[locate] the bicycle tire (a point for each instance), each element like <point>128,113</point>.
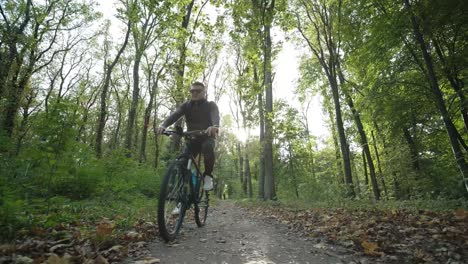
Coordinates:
<point>171,195</point>
<point>201,205</point>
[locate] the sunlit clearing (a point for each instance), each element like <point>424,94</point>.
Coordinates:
<point>241,134</point>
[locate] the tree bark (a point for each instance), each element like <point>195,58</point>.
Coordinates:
<point>438,97</point>
<point>147,117</point>
<point>456,83</point>
<point>362,135</point>
<point>104,92</point>
<point>270,192</point>
<point>414,153</point>
<point>134,104</point>
<point>379,164</point>
<point>291,170</point>
<point>248,175</point>
<point>327,53</point>
<point>364,165</point>
<point>261,176</point>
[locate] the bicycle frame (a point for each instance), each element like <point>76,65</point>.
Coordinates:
<point>190,161</point>
<point>179,190</point>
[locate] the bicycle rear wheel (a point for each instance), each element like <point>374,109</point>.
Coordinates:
<point>201,205</point>
<point>171,206</point>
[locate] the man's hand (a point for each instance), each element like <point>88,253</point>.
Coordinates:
<point>212,131</point>
<point>160,130</point>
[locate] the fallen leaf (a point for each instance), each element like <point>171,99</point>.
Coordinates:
<point>132,236</point>
<point>105,228</point>
<point>54,259</point>
<point>148,261</point>
<point>23,260</point>
<point>7,249</point>
<point>320,246</point>
<point>59,246</point>
<point>370,248</point>
<point>100,260</point>
<point>461,214</point>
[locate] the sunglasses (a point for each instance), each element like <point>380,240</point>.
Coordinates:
<point>195,91</point>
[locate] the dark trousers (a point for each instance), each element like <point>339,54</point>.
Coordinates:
<point>204,145</point>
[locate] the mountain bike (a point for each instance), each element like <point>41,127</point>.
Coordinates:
<point>182,187</point>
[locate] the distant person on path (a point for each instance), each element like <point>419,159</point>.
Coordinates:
<point>199,115</point>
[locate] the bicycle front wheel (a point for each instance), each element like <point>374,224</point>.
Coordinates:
<point>201,205</point>
<point>171,206</point>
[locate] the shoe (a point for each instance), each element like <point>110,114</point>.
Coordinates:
<point>208,185</point>
<point>176,210</point>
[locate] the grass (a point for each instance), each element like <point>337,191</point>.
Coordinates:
<point>86,214</point>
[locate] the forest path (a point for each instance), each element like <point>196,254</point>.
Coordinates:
<point>234,235</point>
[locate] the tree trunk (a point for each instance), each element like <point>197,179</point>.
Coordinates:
<point>17,84</point>
<point>356,175</point>
<point>438,97</point>
<point>147,117</point>
<point>10,90</point>
<point>270,193</point>
<point>105,89</point>
<point>24,122</point>
<point>362,135</point>
<point>291,169</point>
<point>364,165</point>
<point>379,166</point>
<point>134,104</point>
<point>339,166</point>
<point>455,82</point>
<point>342,138</point>
<point>180,71</point>
<point>413,150</point>
<point>261,176</point>
<point>241,167</point>
<point>248,175</point>
<point>115,141</point>
<point>156,142</point>
<point>326,51</point>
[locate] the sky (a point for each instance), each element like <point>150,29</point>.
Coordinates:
<point>286,73</point>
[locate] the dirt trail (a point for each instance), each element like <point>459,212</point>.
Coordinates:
<point>233,235</point>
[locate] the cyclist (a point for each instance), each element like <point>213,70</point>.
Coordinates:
<point>199,115</point>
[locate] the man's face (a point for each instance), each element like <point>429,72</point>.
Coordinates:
<point>197,92</point>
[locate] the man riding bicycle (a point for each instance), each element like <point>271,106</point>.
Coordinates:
<point>199,115</point>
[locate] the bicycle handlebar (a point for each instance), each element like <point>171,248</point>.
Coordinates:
<point>186,133</point>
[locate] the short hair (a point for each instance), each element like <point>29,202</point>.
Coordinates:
<point>198,84</point>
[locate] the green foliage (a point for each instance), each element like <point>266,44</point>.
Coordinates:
<point>49,173</point>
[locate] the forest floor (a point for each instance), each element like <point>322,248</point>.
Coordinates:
<point>258,233</point>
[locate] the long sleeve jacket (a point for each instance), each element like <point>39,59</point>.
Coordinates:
<point>199,115</point>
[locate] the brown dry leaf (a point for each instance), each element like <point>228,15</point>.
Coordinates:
<point>105,228</point>
<point>132,236</point>
<point>54,259</point>
<point>24,260</point>
<point>7,249</point>
<point>100,260</point>
<point>461,214</point>
<point>148,261</point>
<point>370,248</point>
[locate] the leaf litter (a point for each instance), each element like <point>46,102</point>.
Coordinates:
<point>388,236</point>
<point>83,242</point>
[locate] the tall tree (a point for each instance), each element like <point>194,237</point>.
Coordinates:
<point>321,31</point>
<point>153,84</point>
<point>29,37</point>
<point>452,132</point>
<point>145,31</point>
<point>105,89</point>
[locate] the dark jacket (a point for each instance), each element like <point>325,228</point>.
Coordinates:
<point>199,115</point>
